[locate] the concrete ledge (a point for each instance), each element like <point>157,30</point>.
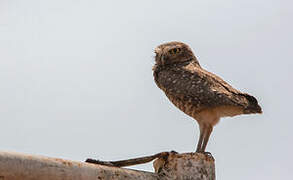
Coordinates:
<point>186,166</point>
<point>17,166</point>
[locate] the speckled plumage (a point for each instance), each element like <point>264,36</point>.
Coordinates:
<point>197,92</point>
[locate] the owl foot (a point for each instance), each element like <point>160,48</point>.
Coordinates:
<point>208,154</point>
<point>174,152</point>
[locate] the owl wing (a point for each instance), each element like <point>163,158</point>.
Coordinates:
<point>199,87</point>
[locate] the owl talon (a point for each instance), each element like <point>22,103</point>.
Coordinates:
<point>208,154</point>
<point>174,152</point>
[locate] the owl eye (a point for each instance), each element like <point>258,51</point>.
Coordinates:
<point>174,51</point>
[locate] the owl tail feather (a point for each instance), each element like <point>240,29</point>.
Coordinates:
<point>253,106</point>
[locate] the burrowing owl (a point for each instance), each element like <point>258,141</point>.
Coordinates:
<point>197,92</point>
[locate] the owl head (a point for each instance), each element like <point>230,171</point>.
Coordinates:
<point>173,53</point>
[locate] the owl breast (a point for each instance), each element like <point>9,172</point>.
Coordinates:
<point>184,106</point>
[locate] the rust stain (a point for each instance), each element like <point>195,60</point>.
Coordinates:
<point>66,163</point>
<point>30,157</point>
<point>79,164</point>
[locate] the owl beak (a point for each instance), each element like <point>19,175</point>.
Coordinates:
<point>157,50</point>
<point>162,60</point>
<point>161,57</point>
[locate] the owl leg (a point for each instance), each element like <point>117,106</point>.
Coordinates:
<point>199,143</point>
<point>208,131</point>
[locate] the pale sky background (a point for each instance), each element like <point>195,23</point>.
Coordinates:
<point>76,80</point>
